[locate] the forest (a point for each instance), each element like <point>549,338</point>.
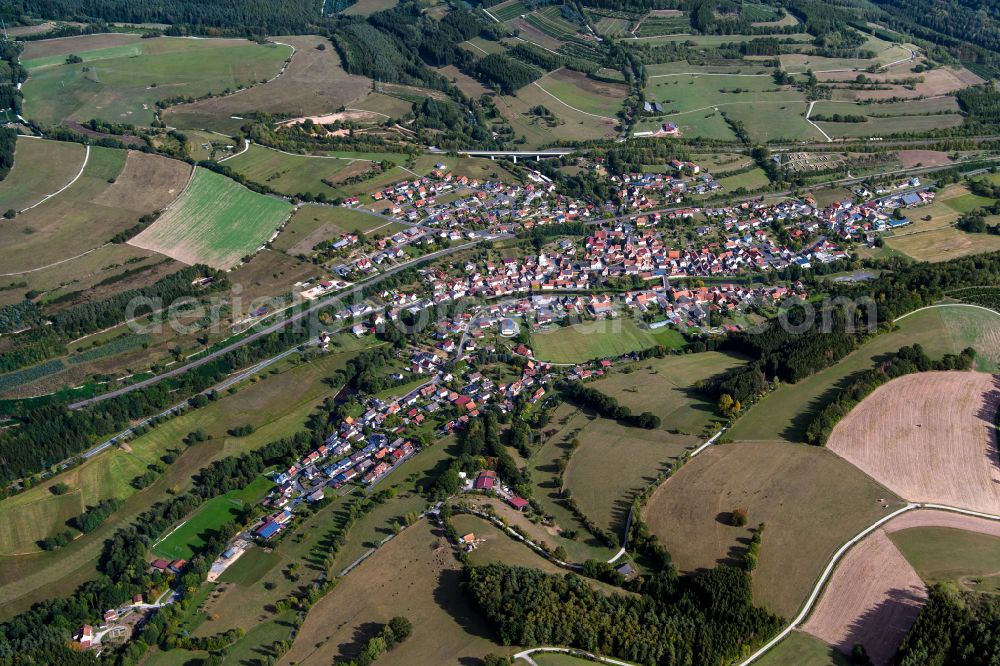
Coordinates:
<point>242,16</point>
<point>708,619</point>
<point>953,628</point>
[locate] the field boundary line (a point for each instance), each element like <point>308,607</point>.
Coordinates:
<point>945,305</point>
<point>818,128</point>
<point>86,158</point>
<point>592,115</point>
<point>835,560</point>
<point>56,263</point>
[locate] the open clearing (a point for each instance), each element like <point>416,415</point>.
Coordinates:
<point>576,90</point>
<point>422,584</point>
<point>785,413</point>
<point>873,599</point>
<point>288,173</point>
<point>601,338</point>
<point>41,167</point>
<point>811,500</point>
<point>312,224</point>
<point>664,386</point>
<point>313,83</point>
<point>930,437</point>
<point>604,492</point>
<point>122,83</point>
<point>215,221</point>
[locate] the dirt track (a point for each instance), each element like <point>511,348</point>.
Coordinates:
<point>929,437</point>
<point>943,519</point>
<point>873,599</point>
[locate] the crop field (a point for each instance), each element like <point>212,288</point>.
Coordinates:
<point>184,540</point>
<point>424,586</point>
<point>550,21</point>
<point>41,167</point>
<point>508,10</point>
<point>367,7</point>
<point>611,27</point>
<point>664,387</point>
<point>873,598</point>
<point>930,437</point>
<point>811,500</point>
<point>122,83</point>
<point>655,26</point>
<point>215,221</point>
<point>576,90</point>
<point>936,239</point>
<point>312,224</point>
<point>938,81</point>
<point>785,413</point>
<point>893,125</point>
<point>605,495</point>
<point>800,649</point>
<point>101,203</point>
<point>313,83</point>
<point>604,338</point>
<point>277,407</point>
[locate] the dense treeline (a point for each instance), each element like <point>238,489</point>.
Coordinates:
<point>953,629</point>
<point>607,406</point>
<point>498,71</point>
<point>481,437</point>
<point>803,341</point>
<point>8,141</point>
<point>905,361</point>
<point>91,519</point>
<point>708,619</point>
<point>238,16</point>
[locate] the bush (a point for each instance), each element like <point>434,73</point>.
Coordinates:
<point>738,518</point>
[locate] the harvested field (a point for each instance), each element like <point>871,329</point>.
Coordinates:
<point>215,221</point>
<point>41,167</point>
<point>314,83</point>
<point>929,437</point>
<point>912,158</point>
<point>946,519</point>
<point>943,244</point>
<point>61,46</point>
<point>148,182</point>
<point>811,501</point>
<point>939,81</point>
<point>529,33</point>
<point>423,585</point>
<point>873,599</point>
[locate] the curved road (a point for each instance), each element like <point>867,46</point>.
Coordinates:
<point>277,326</point>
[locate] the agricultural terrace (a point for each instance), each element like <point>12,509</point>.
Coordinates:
<point>102,202</point>
<point>873,599</point>
<point>215,221</point>
<point>883,119</point>
<point>950,547</point>
<point>583,94</point>
<point>313,83</point>
<point>665,387</point>
<point>41,167</point>
<point>186,538</point>
<point>811,500</point>
<point>311,225</point>
<point>424,586</point>
<point>123,76</point>
<point>276,407</point>
<point>930,437</point>
<point>787,411</point>
<point>603,338</point>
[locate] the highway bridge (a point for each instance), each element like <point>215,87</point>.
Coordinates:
<point>511,154</point>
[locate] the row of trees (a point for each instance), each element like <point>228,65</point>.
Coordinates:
<point>607,406</point>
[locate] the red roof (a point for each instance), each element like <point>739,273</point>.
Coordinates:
<point>517,502</point>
